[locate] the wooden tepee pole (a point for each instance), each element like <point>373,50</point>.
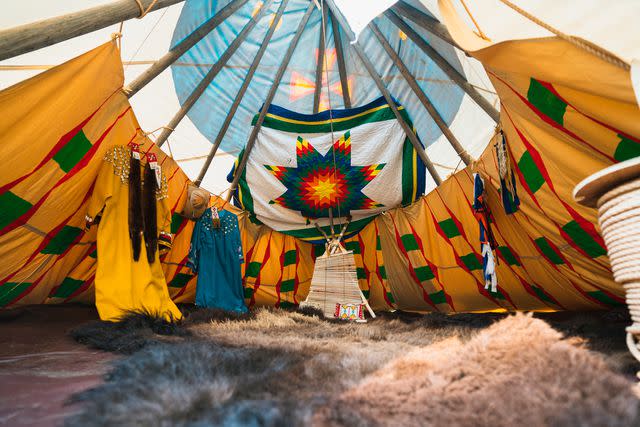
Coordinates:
<point>337,41</point>
<point>208,78</point>
<point>447,68</point>
<point>387,96</point>
<point>36,35</point>
<point>427,22</point>
<point>243,88</point>
<point>424,99</point>
<point>405,126</point>
<point>178,50</point>
<point>319,66</point>
<point>267,103</point>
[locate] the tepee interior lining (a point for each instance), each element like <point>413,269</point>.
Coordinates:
<point>402,9</point>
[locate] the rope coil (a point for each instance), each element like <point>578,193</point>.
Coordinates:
<point>618,213</point>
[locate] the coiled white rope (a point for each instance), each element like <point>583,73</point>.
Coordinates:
<point>619,217</point>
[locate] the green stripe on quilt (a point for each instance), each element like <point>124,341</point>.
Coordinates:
<point>275,122</point>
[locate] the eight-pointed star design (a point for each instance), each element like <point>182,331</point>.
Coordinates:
<point>316,186</point>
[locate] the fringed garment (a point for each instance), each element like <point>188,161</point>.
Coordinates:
<point>134,217</point>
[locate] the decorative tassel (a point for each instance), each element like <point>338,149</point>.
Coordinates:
<point>215,217</point>
<point>487,241</point>
<point>478,191</point>
<point>508,189</point>
<point>489,268</point>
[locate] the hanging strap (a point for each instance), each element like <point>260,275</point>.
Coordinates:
<point>480,32</point>
<point>143,11</point>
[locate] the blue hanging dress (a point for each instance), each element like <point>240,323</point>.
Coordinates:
<point>216,255</point>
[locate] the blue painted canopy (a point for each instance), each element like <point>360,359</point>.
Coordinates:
<point>296,91</point>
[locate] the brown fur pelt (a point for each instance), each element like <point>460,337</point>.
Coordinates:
<point>131,333</point>
<point>517,372</point>
<point>277,368</point>
<point>135,207</point>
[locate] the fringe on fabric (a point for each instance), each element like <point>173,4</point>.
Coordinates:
<point>149,211</point>
<point>135,202</point>
<point>487,241</point>
<point>143,215</point>
<point>508,190</point>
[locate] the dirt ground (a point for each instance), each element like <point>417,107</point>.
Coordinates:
<point>41,366</point>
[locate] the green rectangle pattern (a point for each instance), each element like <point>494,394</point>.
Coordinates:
<point>67,288</point>
<point>10,291</point>
<point>450,228</point>
<point>12,207</point>
<point>550,252</point>
<point>253,269</point>
<point>288,285</point>
<point>73,151</point>
<point>530,172</point>
<point>583,239</point>
<point>546,101</point>
<point>409,242</point>
<point>471,262</point>
<point>290,257</point>
<point>61,241</point>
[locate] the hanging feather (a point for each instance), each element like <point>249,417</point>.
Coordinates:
<point>135,207</point>
<point>487,241</point>
<point>489,269</point>
<point>508,190</point>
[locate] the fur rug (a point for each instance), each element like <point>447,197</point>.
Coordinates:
<point>277,368</point>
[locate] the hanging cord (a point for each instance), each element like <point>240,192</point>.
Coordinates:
<point>143,11</point>
<point>346,268</point>
<point>218,197</point>
<point>326,71</point>
<point>480,32</point>
<point>150,31</point>
<point>36,270</point>
<point>147,134</point>
<point>333,150</point>
<point>156,130</point>
<point>170,150</point>
<point>618,213</point>
<point>576,41</point>
<point>118,36</point>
